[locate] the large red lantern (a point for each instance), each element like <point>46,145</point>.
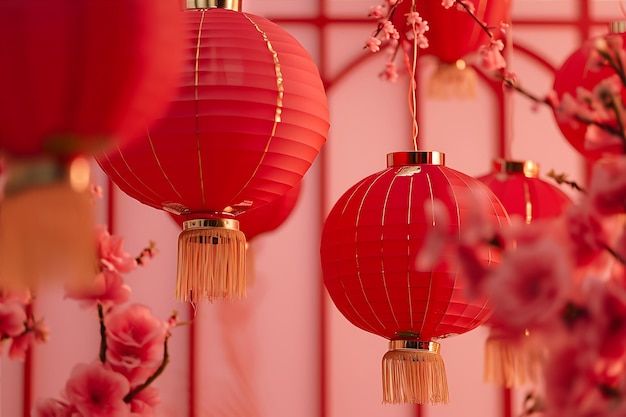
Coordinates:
<point>75,76</point>
<point>250,117</point>
<point>369,246</point>
<point>516,359</point>
<point>576,73</point>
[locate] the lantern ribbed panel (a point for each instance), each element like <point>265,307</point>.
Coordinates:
<point>453,33</point>
<point>250,117</point>
<point>531,198</point>
<point>370,243</point>
<point>76,75</point>
<point>575,73</point>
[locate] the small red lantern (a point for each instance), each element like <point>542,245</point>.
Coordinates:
<point>516,359</point>
<point>369,246</point>
<point>452,36</point>
<point>75,76</point>
<point>250,118</point>
<point>575,73</point>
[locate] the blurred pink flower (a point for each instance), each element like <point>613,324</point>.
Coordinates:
<point>586,233</point>
<point>12,319</point>
<point>135,341</point>
<point>531,286</point>
<point>491,55</point>
<point>22,296</point>
<point>373,44</point>
<point>111,252</point>
<point>108,288</point>
<point>607,190</point>
<point>96,391</point>
<point>607,309</point>
<point>144,402</point>
<point>50,407</point>
<point>21,344</point>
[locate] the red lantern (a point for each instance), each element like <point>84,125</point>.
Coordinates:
<point>75,76</point>
<point>522,193</point>
<point>573,74</point>
<point>516,359</point>
<point>250,118</point>
<point>452,36</point>
<point>369,246</point>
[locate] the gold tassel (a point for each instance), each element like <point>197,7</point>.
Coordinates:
<point>211,261</point>
<point>453,80</point>
<point>512,361</point>
<point>414,372</point>
<point>47,225</point>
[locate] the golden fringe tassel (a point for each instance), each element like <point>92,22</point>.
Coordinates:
<point>513,362</point>
<point>453,80</point>
<point>47,234</point>
<point>414,376</point>
<point>211,264</point>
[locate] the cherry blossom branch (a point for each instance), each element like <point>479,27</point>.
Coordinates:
<point>562,179</point>
<point>166,359</point>
<point>103,340</point>
<point>482,25</point>
<point>614,253</point>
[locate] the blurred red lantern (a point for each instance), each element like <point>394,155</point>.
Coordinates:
<point>250,118</point>
<point>516,359</point>
<point>75,76</point>
<point>452,36</point>
<point>369,246</point>
<point>522,193</point>
<point>575,73</point>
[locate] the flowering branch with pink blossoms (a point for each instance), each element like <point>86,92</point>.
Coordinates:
<point>133,349</point>
<point>18,325</point>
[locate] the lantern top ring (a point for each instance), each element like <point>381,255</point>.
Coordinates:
<point>213,4</point>
<point>416,158</point>
<point>210,223</point>
<point>530,169</point>
<point>430,346</point>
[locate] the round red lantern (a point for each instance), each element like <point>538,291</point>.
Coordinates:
<point>452,36</point>
<point>516,359</point>
<point>575,73</point>
<point>250,117</point>
<point>522,192</point>
<point>369,246</point>
<point>75,76</point>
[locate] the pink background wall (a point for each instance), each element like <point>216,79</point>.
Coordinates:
<point>286,351</point>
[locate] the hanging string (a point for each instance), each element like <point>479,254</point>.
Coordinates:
<point>508,101</point>
<point>412,66</point>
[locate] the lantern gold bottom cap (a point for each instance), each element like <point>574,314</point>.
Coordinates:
<point>401,344</point>
<point>211,223</point>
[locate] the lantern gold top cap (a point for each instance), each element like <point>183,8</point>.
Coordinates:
<point>617,26</point>
<point>213,4</point>
<point>530,169</point>
<point>416,158</point>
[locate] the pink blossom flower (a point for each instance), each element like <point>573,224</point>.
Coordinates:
<point>531,285</point>
<point>135,340</point>
<point>22,296</point>
<point>437,237</point>
<point>571,384</point>
<point>448,3</point>
<point>587,236</point>
<point>12,319</point>
<point>389,31</point>
<point>50,407</point>
<point>390,73</point>
<point>377,12</point>
<point>20,345</point>
<point>373,44</point>
<point>96,391</point>
<point>491,55</point>
<point>607,190</point>
<point>108,288</point>
<point>142,404</point>
<point>111,252</point>
<point>607,308</point>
